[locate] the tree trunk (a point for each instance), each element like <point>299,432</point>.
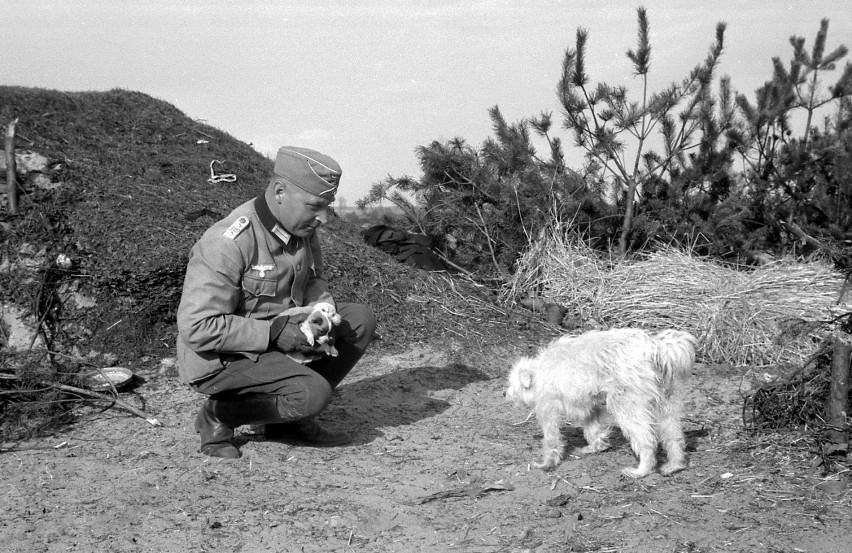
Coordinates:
<point>627,226</point>
<point>836,404</point>
<point>10,167</point>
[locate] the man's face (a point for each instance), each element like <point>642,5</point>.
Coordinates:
<point>300,212</point>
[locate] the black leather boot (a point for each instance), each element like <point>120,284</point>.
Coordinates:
<point>249,409</point>
<point>264,409</point>
<point>216,436</point>
<point>218,417</point>
<point>306,431</point>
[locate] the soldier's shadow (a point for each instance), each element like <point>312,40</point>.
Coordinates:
<point>396,399</point>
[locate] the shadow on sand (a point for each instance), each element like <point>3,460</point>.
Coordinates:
<point>397,399</point>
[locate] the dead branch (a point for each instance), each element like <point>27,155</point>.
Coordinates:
<point>801,235</point>
<point>94,395</point>
<point>468,490</point>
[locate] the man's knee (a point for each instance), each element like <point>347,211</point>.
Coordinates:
<point>361,320</point>
<point>306,397</point>
<point>368,322</point>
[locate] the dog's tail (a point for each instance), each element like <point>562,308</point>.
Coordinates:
<point>675,356</point>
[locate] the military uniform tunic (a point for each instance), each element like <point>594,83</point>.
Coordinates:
<point>243,272</point>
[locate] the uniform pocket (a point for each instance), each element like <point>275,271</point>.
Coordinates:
<point>259,287</point>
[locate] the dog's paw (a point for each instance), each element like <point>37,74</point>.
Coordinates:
<point>580,451</point>
<point>635,473</point>
<point>670,468</point>
<point>550,461</point>
<point>329,350</point>
<point>547,465</point>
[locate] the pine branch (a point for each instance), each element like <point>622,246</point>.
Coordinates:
<point>642,57</point>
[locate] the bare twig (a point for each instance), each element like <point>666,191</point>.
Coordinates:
<point>800,234</point>
<point>94,395</point>
<point>103,397</point>
<point>469,490</point>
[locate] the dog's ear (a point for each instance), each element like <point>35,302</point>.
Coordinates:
<point>526,378</point>
<point>525,372</point>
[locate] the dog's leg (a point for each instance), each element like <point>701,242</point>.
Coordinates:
<point>671,436</point>
<point>596,429</point>
<point>549,415</point>
<point>635,418</point>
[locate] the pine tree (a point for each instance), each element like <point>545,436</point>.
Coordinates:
<point>795,184</point>
<point>604,120</point>
<point>494,200</point>
<point>807,88</point>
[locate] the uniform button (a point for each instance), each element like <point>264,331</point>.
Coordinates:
<point>299,267</point>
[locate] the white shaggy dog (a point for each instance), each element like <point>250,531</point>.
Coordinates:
<point>625,376</point>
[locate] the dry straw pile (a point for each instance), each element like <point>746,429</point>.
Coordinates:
<point>757,317</point>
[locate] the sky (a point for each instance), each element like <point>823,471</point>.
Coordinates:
<point>369,81</point>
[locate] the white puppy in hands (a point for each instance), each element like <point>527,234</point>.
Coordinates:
<point>625,376</point>
<point>321,319</point>
<point>317,327</point>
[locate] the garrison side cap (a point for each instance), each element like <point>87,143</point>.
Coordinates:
<point>309,170</point>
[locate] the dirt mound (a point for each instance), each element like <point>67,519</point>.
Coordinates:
<point>131,198</point>
<point>134,183</point>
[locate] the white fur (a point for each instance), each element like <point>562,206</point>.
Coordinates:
<point>625,377</point>
<point>322,318</point>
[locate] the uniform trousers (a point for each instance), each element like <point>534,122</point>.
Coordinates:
<point>302,390</point>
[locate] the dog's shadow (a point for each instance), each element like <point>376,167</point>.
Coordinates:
<point>693,436</point>
<point>574,439</point>
<point>397,399</point>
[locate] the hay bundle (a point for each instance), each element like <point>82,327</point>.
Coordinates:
<point>757,317</point>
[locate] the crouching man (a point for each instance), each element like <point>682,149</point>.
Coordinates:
<point>250,282</point>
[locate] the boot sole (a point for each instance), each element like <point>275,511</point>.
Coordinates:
<point>223,452</point>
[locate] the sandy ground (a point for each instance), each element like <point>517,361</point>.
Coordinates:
<point>440,462</point>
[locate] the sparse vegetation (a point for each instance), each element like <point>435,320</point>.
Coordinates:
<point>695,164</point>
<point>440,462</point>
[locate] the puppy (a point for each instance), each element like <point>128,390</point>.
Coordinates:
<point>604,377</point>
<point>318,326</point>
<point>322,318</point>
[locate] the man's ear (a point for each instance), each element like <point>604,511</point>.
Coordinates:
<point>279,188</point>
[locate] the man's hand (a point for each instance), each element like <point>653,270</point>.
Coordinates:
<point>286,335</point>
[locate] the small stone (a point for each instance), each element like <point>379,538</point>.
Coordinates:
<point>63,261</point>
